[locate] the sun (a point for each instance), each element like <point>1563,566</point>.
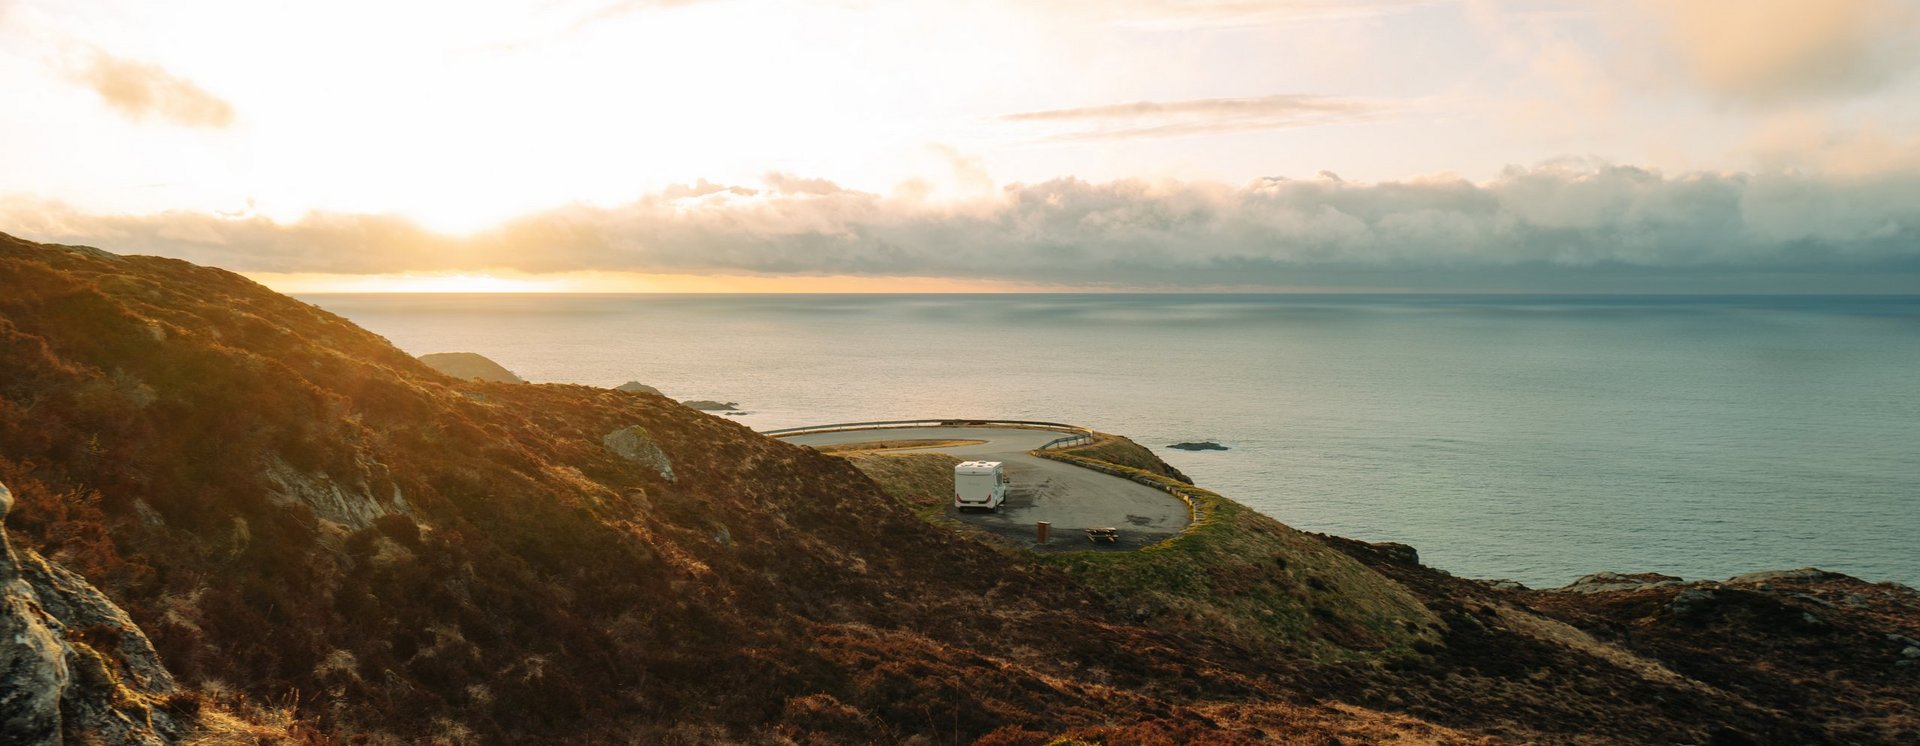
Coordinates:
<point>458,218</point>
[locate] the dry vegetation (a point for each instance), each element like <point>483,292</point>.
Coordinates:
<point>298,513</point>
<point>875,446</point>
<point>921,481</point>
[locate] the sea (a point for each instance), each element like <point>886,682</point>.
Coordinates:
<point>1533,438</point>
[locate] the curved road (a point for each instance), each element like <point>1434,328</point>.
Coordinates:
<point>1070,497</point>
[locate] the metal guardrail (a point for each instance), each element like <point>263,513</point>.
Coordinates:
<point>1068,441</point>
<point>1080,434</point>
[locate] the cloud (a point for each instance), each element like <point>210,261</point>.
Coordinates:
<point>1182,14</point>
<point>618,9</point>
<point>1769,51</point>
<point>1806,141</point>
<point>703,188</point>
<point>1151,119</point>
<point>788,184</point>
<point>1558,226</point>
<point>143,91</point>
<point>1284,105</point>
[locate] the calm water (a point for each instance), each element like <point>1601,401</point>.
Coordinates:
<point>1533,438</point>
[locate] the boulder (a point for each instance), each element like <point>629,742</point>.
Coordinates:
<point>1402,554</point>
<point>634,444</point>
<point>1690,600</point>
<point>469,366</point>
<point>73,667</point>
<point>636,387</point>
<point>1607,582</point>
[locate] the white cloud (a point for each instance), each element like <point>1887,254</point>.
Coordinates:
<point>1176,14</point>
<point>1768,51</point>
<point>1545,227</point>
<point>1143,119</point>
<point>145,91</point>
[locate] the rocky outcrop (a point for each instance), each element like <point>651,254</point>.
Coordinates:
<point>1774,576</point>
<point>636,387</point>
<point>348,504</point>
<point>73,667</point>
<point>709,405</point>
<point>1401,553</point>
<point>633,444</point>
<point>1607,582</point>
<point>1198,445</point>
<point>469,366</point>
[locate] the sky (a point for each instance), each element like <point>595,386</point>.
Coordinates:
<point>740,145</point>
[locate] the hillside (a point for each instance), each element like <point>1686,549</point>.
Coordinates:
<point>322,535</point>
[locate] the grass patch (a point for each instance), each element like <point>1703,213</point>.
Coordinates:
<point>1119,451</point>
<point>1233,574</point>
<point>1248,578</point>
<point>921,481</point>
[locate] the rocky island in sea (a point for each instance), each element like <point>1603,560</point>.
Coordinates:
<point>470,366</point>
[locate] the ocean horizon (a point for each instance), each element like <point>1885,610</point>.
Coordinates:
<point>1523,436</point>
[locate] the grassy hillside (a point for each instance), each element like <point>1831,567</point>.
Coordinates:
<point>294,509</point>
<point>319,532</point>
<point>921,481</point>
<point>1122,451</point>
<point>1465,658</point>
<point>1252,579</point>
<point>1236,574</point>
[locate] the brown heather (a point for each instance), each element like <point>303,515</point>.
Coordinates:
<point>328,541</point>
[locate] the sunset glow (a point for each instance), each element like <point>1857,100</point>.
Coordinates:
<point>1138,144</point>
<point>624,282</point>
<point>992,372</point>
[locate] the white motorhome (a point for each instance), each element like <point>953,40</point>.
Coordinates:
<point>979,485</point>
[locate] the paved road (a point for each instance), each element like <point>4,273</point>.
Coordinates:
<point>1070,497</point>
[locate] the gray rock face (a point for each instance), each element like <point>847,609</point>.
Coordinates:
<point>1401,553</point>
<point>636,387</point>
<point>1690,600</point>
<point>633,444</point>
<point>1773,576</point>
<point>470,366</point>
<point>73,667</point>
<point>1607,582</point>
<point>33,669</point>
<point>346,502</point>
